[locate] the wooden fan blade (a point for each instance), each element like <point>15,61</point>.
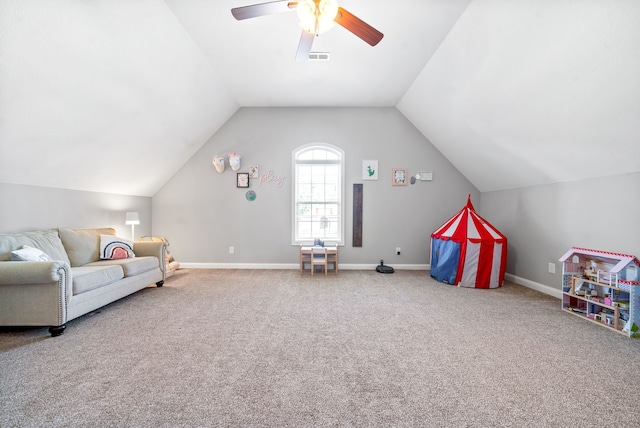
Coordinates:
<point>358,27</point>
<point>261,9</point>
<point>304,47</point>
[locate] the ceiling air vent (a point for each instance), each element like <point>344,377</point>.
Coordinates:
<point>318,56</point>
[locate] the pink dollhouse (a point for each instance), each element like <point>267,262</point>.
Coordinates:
<point>603,287</point>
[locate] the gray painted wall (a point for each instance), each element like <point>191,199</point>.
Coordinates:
<point>543,222</point>
<point>202,213</point>
<point>24,208</point>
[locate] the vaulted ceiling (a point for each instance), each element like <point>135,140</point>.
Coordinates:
<point>513,93</point>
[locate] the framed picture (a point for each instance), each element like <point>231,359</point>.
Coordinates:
<point>242,179</point>
<point>399,177</point>
<point>253,171</point>
<point>369,169</point>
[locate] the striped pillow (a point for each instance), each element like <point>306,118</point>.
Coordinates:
<point>113,247</point>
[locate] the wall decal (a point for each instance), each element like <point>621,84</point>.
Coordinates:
<point>271,176</point>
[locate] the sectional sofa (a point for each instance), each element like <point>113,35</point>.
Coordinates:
<point>50,277</point>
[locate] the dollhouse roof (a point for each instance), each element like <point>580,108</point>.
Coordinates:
<point>621,260</point>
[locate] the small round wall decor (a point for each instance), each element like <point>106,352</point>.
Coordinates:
<point>250,195</point>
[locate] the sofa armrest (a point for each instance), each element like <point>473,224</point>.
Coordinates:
<point>35,294</point>
<point>16,273</point>
<point>152,249</point>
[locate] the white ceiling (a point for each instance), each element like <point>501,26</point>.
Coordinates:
<point>114,96</point>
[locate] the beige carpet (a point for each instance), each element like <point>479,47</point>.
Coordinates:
<point>254,348</point>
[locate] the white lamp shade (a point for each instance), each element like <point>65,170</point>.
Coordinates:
<point>132,218</point>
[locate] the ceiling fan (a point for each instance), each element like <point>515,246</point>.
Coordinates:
<point>316,17</point>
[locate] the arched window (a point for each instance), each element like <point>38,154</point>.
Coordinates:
<point>318,205</point>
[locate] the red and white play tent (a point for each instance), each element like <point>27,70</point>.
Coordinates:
<point>468,251</point>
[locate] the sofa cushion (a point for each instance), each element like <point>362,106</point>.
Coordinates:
<point>114,247</point>
<point>29,254</point>
<point>46,241</point>
<point>86,278</point>
<point>132,266</point>
<point>83,245</point>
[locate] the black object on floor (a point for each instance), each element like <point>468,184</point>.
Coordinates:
<point>382,268</point>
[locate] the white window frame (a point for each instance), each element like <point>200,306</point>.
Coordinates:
<point>298,240</point>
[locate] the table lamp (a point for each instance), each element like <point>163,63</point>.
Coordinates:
<point>132,219</point>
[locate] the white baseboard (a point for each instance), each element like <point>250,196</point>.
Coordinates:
<point>342,266</point>
<point>557,293</point>
<point>239,265</point>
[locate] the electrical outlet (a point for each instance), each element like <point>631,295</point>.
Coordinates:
<point>397,251</point>
<point>231,250</point>
<point>552,268</point>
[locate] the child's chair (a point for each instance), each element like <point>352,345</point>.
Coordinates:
<point>319,258</point>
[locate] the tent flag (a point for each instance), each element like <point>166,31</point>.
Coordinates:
<point>468,251</point>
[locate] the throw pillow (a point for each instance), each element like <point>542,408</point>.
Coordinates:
<point>113,247</point>
<point>83,244</point>
<point>47,241</point>
<point>29,254</point>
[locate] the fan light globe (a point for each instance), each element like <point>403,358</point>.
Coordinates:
<point>316,16</point>
<point>306,11</point>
